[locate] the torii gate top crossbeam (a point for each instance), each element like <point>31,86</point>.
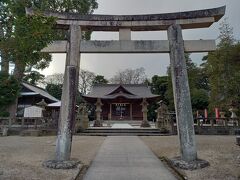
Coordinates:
<point>148,22</point>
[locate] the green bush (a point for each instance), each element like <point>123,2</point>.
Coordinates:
<point>4,114</point>
<point>9,91</point>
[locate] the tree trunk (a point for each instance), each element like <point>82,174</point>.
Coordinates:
<point>3,54</point>
<point>4,63</point>
<point>18,74</point>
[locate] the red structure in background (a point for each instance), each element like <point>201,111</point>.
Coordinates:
<point>205,115</point>
<point>217,114</point>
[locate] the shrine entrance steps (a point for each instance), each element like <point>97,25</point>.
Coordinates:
<point>122,129</point>
<point>122,132</point>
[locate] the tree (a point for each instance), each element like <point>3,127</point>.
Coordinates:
<point>198,85</point>
<point>54,85</point>
<point>33,77</point>
<point>159,86</point>
<point>56,78</point>
<point>199,98</point>
<point>22,37</point>
<point>99,80</point>
<point>223,68</point>
<point>55,90</point>
<point>86,79</point>
<point>71,6</point>
<point>6,24</point>
<point>130,76</point>
<point>21,40</point>
<point>9,90</point>
<point>226,36</point>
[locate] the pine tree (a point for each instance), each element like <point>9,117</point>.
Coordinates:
<point>223,68</point>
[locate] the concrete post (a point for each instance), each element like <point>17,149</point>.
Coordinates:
<point>181,92</point>
<point>22,122</point>
<point>35,123</point>
<point>9,122</point>
<point>212,123</point>
<point>67,111</point>
<point>5,131</point>
<point>131,114</point>
<point>110,115</point>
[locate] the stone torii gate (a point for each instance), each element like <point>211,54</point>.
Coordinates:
<point>173,23</point>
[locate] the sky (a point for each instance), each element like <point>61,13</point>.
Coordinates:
<point>109,64</point>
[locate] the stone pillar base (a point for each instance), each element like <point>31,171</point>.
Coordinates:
<point>158,124</point>
<point>145,124</point>
<point>77,127</point>
<point>164,130</point>
<point>197,164</point>
<point>162,127</point>
<point>85,124</point>
<point>97,123</point>
<point>5,131</point>
<point>220,122</point>
<point>55,164</point>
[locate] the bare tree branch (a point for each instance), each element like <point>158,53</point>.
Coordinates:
<point>130,76</point>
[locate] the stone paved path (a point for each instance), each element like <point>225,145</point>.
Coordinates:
<point>122,125</point>
<point>126,158</point>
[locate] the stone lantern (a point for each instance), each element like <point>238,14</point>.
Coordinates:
<point>97,122</point>
<point>144,105</point>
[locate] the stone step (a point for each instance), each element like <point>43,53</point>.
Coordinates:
<point>122,131</point>
<point>30,132</point>
<point>123,134</point>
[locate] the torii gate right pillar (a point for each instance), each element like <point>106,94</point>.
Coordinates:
<point>181,91</point>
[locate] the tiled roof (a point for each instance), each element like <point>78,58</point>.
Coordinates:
<point>112,91</point>
<point>56,104</point>
<point>37,90</point>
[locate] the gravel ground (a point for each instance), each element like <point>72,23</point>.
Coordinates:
<point>21,157</point>
<point>220,151</point>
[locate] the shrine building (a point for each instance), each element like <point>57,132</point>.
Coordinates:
<point>121,102</point>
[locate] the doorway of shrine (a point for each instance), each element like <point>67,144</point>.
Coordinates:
<point>120,111</point>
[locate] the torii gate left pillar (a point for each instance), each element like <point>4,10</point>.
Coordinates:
<point>70,85</point>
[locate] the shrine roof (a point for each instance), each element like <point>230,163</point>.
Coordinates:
<point>128,91</point>
<point>35,90</point>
